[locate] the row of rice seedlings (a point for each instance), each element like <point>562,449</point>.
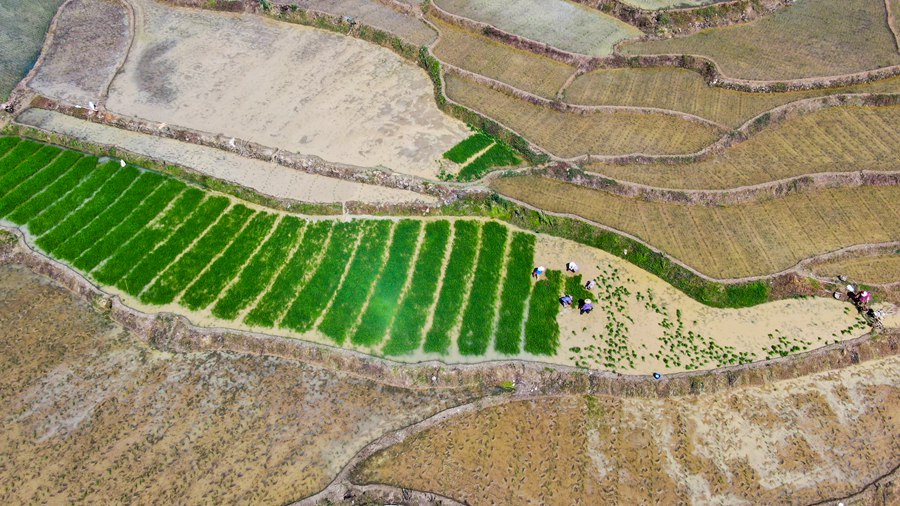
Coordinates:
<point>500,155</point>
<point>477,323</point>
<point>110,217</point>
<point>135,250</point>
<point>541,328</point>
<point>84,214</point>
<point>515,292</point>
<point>406,332</point>
<point>456,276</point>
<point>12,178</point>
<point>160,258</point>
<point>384,300</point>
<point>6,145</point>
<point>785,345</point>
<point>210,284</point>
<point>614,350</point>
<point>18,154</point>
<point>350,298</point>
<point>38,182</point>
<point>258,273</point>
<point>318,292</point>
<point>468,147</point>
<point>149,209</point>
<point>272,305</point>
<point>55,213</point>
<point>181,271</point>
<point>55,191</point>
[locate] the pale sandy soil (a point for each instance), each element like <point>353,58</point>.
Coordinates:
<point>814,320</point>
<point>89,414</point>
<point>268,178</point>
<point>283,85</point>
<point>798,441</point>
<point>90,41</point>
<point>375,14</point>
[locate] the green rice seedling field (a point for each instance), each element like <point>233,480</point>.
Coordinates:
<point>837,139</point>
<point>478,318</point>
<point>498,155</point>
<point>514,294</point>
<point>570,135</point>
<point>811,38</point>
<point>388,287</point>
<point>541,330</point>
<point>468,147</point>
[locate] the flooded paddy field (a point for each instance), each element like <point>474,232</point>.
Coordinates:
<point>24,26</point>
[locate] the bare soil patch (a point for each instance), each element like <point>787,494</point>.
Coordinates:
<point>268,178</point>
<point>92,414</point>
<point>375,14</point>
<point>90,41</point>
<point>797,441</point>
<point>283,85</point>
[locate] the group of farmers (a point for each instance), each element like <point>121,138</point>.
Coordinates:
<point>584,305</point>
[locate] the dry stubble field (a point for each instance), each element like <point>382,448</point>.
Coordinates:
<point>283,85</point>
<point>730,241</point>
<point>836,139</point>
<point>875,269</point>
<point>792,442</point>
<point>90,41</point>
<point>811,38</point>
<point>476,53</point>
<point>570,135</point>
<point>685,90</point>
<point>90,413</point>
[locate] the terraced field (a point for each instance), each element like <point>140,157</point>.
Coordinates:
<point>811,38</point>
<point>686,91</point>
<point>24,26</point>
<point>570,135</point>
<point>161,242</point>
<point>730,241</point>
<point>874,269</point>
<point>476,53</point>
<point>559,23</point>
<point>837,139</point>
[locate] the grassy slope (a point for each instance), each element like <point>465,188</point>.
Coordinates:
<point>809,39</point>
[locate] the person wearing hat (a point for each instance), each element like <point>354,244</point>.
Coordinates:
<point>538,271</point>
<point>586,306</point>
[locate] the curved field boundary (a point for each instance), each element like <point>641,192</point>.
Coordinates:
<point>688,20</point>
<point>171,332</point>
<point>132,29</point>
<point>892,22</point>
<point>706,66</point>
<point>808,266</point>
<point>573,108</point>
<point>727,281</point>
<point>731,196</point>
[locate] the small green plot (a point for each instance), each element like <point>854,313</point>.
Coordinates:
<point>541,328</point>
<point>468,147</point>
<point>25,191</point>
<point>12,178</point>
<point>52,193</point>
<point>514,294</point>
<point>477,321</point>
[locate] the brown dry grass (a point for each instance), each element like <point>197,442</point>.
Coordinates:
<point>570,135</point>
<point>877,269</point>
<point>837,139</point>
<point>797,441</point>
<point>90,414</point>
<point>809,39</point>
<point>686,91</point>
<point>730,241</point>
<point>476,53</point>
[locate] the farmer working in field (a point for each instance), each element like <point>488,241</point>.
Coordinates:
<point>565,300</point>
<point>586,306</point>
